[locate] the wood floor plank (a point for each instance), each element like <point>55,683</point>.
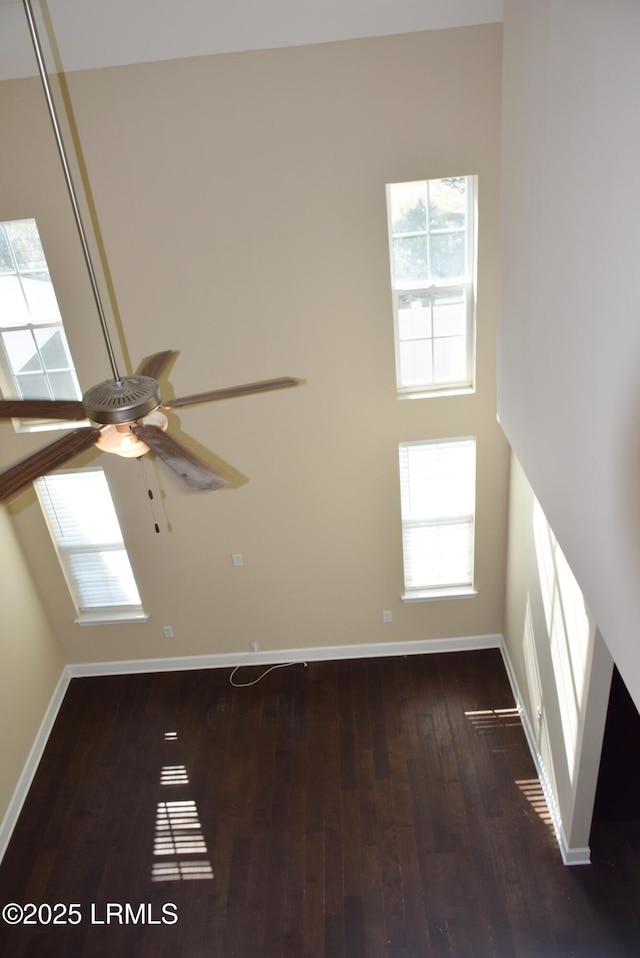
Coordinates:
<point>378,808</point>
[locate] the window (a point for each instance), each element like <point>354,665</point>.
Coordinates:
<point>437,495</point>
<point>84,527</point>
<point>35,362</point>
<point>432,252</point>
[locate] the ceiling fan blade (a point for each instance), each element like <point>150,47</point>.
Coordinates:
<point>245,390</point>
<point>45,460</point>
<point>194,471</point>
<point>153,365</point>
<point>42,409</point>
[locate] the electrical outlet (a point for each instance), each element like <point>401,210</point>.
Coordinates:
<point>237,559</point>
<point>387,616</point>
<point>254,646</point>
<point>168,631</point>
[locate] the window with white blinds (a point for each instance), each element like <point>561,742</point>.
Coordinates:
<point>85,530</point>
<point>437,494</point>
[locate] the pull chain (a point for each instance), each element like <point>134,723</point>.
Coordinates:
<point>149,494</point>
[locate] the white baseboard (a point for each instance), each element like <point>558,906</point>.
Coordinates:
<point>31,765</point>
<point>277,656</point>
<point>570,856</point>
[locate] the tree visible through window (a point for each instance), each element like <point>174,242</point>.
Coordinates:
<point>432,250</point>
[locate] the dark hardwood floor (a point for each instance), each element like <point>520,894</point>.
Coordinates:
<point>352,809</point>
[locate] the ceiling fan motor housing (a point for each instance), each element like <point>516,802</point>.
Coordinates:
<point>119,401</point>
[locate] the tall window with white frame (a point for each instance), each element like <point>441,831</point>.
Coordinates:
<point>437,495</point>
<point>432,230</point>
<point>35,361</point>
<point>86,533</point>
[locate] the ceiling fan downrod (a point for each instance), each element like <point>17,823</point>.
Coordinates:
<point>35,39</point>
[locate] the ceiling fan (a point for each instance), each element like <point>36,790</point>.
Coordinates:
<point>127,410</point>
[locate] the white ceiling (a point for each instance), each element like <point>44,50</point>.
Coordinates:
<point>95,33</point>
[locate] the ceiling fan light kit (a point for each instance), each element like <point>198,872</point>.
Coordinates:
<point>126,409</point>
<point>122,440</point>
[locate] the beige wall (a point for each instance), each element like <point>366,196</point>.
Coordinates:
<point>570,337</point>
<point>242,205</point>
<point>560,661</point>
<point>31,663</point>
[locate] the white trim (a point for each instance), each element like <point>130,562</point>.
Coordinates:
<point>278,656</point>
<point>31,765</point>
<point>109,616</point>
<point>426,595</point>
<point>570,856</point>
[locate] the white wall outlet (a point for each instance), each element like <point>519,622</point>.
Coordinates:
<point>237,559</point>
<point>168,631</point>
<point>387,616</point>
<point>254,646</point>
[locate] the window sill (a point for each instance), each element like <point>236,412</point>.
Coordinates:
<point>48,425</point>
<point>425,595</point>
<point>111,617</point>
<point>437,393</point>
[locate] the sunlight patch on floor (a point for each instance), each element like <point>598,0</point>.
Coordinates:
<point>174,775</point>
<point>178,841</point>
<point>533,792</point>
<point>181,871</point>
<point>484,719</point>
<point>178,829</point>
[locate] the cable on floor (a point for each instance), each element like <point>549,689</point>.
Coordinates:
<point>245,685</point>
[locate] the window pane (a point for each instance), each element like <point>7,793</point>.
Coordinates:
<point>53,348</point>
<point>41,298</point>
<point>408,207</point>
<point>13,305</point>
<point>414,317</point>
<point>448,255</point>
<point>6,263</point>
<point>449,313</point>
<point>450,359</point>
<point>416,362</point>
<point>439,479</point>
<point>63,385</point>
<point>25,242</point>
<point>410,260</point>
<point>440,555</point>
<point>21,350</point>
<point>448,203</point>
<point>33,386</point>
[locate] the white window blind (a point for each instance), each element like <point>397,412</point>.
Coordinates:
<point>433,255</point>
<point>84,527</point>
<point>437,494</point>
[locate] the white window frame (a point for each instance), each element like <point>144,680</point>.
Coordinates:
<point>435,511</point>
<point>467,283</point>
<point>13,323</point>
<point>81,545</point>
